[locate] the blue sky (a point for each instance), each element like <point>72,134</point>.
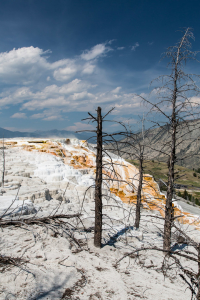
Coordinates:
<point>60,59</point>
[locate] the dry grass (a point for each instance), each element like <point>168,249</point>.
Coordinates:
<point>159,170</point>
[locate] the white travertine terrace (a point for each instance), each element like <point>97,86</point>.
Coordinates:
<point>73,161</point>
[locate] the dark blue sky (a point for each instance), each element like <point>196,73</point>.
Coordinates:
<point>71,56</point>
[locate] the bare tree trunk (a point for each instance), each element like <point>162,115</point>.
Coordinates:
<point>138,205</point>
<point>171,162</point>
<point>3,171</point>
<point>169,211</point>
<point>98,183</point>
<point>198,275</point>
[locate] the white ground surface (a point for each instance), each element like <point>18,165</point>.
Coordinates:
<point>56,262</point>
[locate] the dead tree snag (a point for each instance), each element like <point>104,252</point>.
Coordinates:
<point>198,274</point>
<point>98,183</point>
<point>3,167</point>
<point>177,104</point>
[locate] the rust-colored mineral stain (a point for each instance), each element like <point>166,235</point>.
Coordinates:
<point>9,143</point>
<point>125,177</point>
<point>81,161</point>
<point>147,178</point>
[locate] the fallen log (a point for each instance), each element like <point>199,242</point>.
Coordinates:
<point>37,221</point>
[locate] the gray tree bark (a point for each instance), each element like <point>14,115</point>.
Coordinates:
<point>198,275</point>
<point>3,167</point>
<point>172,159</point>
<point>98,183</point>
<point>139,191</point>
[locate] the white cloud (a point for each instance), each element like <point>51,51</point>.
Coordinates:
<point>65,73</point>
<point>127,121</point>
<point>73,96</point>
<point>48,115</point>
<point>75,85</point>
<point>88,68</point>
<point>38,116</point>
<point>46,103</point>
<point>22,93</point>
<point>135,46</point>
<point>111,41</point>
<point>52,118</point>
<point>28,64</point>
<point>69,90</point>
<point>114,125</point>
<point>116,91</point>
<point>80,126</point>
<point>19,116</point>
<point>195,101</point>
<point>120,48</point>
<point>23,65</point>
<point>55,96</point>
<point>82,95</point>
<point>95,52</point>
<point>18,96</point>
<point>51,95</point>
<point>75,101</point>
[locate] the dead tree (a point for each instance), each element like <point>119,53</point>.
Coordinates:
<point>176,106</point>
<point>98,180</point>
<point>178,55</point>
<point>138,144</point>
<point>3,164</point>
<point>198,274</point>
<point>138,205</point>
<point>133,146</point>
<point>98,183</point>
<point>110,175</point>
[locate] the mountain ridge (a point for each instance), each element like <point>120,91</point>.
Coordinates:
<point>157,143</point>
<point>5,133</point>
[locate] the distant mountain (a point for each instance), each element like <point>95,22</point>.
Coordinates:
<point>187,143</point>
<point>157,144</point>
<point>54,133</point>
<point>11,134</point>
